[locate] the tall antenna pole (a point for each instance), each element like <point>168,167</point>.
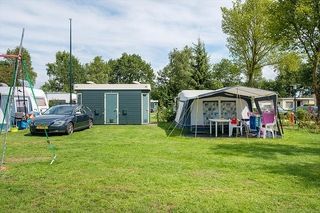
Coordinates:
<point>70,62</point>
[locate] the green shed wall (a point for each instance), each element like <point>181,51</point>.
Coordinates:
<point>129,104</point>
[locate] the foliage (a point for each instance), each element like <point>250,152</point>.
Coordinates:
<point>286,78</point>
<point>129,68</point>
<point>134,168</point>
<point>97,71</point>
<point>6,71</point>
<point>188,68</point>
<point>7,67</point>
<point>58,73</point>
<point>176,76</point>
<point>201,76</point>
<point>226,74</point>
<point>166,114</point>
<point>296,25</point>
<point>249,41</point>
<point>307,120</point>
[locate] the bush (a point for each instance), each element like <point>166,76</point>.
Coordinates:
<point>307,120</point>
<point>166,114</point>
<point>303,115</point>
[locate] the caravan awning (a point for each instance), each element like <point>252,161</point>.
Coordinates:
<point>240,91</point>
<point>185,95</point>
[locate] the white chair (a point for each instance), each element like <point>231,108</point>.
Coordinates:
<point>234,123</point>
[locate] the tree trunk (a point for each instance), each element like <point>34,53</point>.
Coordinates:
<point>317,93</point>
<point>315,85</point>
<point>250,78</point>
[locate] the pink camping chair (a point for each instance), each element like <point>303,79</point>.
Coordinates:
<point>234,123</point>
<point>268,123</point>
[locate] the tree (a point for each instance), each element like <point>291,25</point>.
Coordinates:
<point>58,73</point>
<point>129,68</point>
<point>7,67</point>
<point>176,76</point>
<point>97,71</point>
<point>249,40</point>
<point>297,26</point>
<point>226,74</point>
<point>201,76</point>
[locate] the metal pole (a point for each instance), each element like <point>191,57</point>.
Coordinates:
<point>70,62</point>
<point>18,60</point>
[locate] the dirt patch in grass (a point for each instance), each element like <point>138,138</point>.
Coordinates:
<point>27,159</point>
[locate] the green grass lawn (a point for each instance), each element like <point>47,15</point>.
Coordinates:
<point>138,168</point>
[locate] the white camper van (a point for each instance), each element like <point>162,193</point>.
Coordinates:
<point>37,104</point>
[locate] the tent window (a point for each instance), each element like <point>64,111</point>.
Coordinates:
<point>228,109</point>
<point>210,110</point>
<point>266,106</point>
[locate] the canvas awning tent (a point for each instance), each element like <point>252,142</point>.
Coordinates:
<point>191,103</point>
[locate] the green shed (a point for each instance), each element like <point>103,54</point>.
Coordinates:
<point>116,103</point>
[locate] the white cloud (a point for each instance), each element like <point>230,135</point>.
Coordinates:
<point>150,28</point>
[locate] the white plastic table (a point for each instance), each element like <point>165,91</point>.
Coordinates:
<point>217,120</point>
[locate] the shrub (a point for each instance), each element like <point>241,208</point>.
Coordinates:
<point>166,114</point>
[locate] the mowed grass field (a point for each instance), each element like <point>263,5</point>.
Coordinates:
<point>140,169</point>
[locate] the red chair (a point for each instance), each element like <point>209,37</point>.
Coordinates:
<point>234,123</point>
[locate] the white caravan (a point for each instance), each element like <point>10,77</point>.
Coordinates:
<point>36,102</point>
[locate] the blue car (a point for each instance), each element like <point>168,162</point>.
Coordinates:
<point>62,119</point>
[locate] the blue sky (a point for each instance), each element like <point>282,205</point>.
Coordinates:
<point>107,28</point>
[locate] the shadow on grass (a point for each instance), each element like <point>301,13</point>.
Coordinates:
<point>307,173</point>
<point>171,129</point>
<point>262,150</point>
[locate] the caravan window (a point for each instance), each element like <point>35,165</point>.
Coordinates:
<point>41,101</point>
<point>228,109</point>
<point>20,105</point>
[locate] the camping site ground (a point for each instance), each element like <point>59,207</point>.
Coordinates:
<point>139,168</point>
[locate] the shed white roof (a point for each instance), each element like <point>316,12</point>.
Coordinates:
<point>112,87</point>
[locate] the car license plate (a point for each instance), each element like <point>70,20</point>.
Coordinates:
<point>42,127</point>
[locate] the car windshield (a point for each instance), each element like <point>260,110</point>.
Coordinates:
<point>59,110</point>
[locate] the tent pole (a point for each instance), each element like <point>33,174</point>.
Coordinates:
<point>195,133</point>
<point>11,99</point>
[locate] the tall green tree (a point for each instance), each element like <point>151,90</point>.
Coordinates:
<point>7,67</point>
<point>97,71</point>
<point>176,76</point>
<point>249,40</point>
<point>201,76</point>
<point>226,74</point>
<point>58,73</point>
<point>129,68</point>
<point>297,25</point>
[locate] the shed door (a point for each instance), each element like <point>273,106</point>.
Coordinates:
<point>111,106</point>
<point>145,108</point>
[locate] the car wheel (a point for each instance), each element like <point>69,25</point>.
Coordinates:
<point>90,123</point>
<point>69,128</point>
